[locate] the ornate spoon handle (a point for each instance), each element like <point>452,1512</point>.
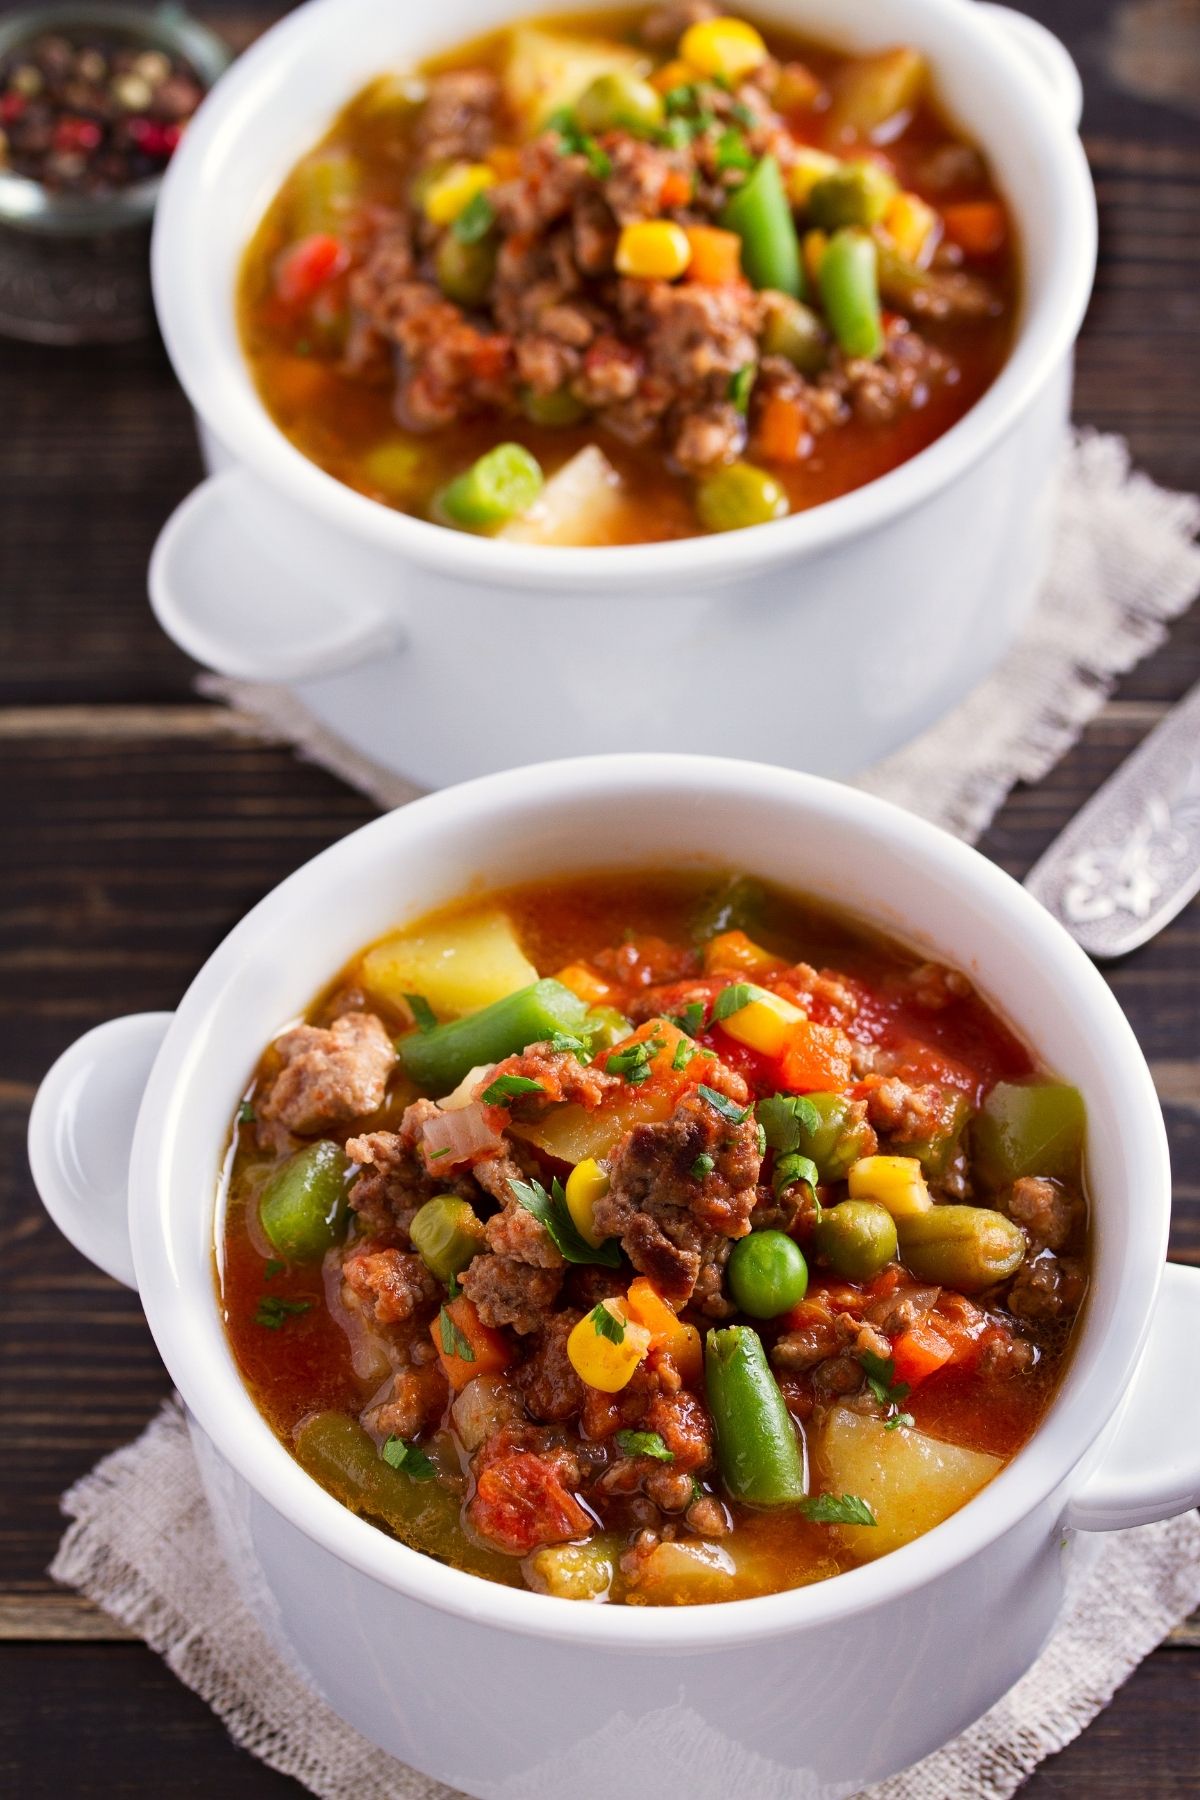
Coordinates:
<point>1130,859</point>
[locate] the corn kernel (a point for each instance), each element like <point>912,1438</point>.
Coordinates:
<point>728,47</point>
<point>585,984</point>
<point>586,1184</point>
<point>672,75</point>
<point>734,950</point>
<point>813,248</point>
<point>765,1024</point>
<point>453,189</point>
<point>809,167</point>
<point>655,251</point>
<point>913,227</point>
<point>606,1357</point>
<point>896,1182</point>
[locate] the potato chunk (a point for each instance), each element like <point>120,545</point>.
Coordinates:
<point>459,966</point>
<point>910,1481</point>
<point>545,72</point>
<point>583,503</point>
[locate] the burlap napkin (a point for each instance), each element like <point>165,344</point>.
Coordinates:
<point>141,1543</point>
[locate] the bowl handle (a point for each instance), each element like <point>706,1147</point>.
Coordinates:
<point>81,1133</point>
<point>1048,54</point>
<point>1150,1468</point>
<point>251,588</point>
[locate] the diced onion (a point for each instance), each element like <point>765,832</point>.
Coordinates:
<point>457,1136</point>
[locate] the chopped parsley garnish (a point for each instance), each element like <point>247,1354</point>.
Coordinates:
<point>691,1019</point>
<point>423,1014</point>
<point>273,1311</point>
<point>788,1120</point>
<point>453,1341</point>
<point>475,220</point>
<point>562,1040</point>
<point>739,994</point>
<point>744,114</point>
<point>246,1113</point>
<point>272,1268</point>
<point>703,1165</point>
<point>733,152</point>
<point>551,1210</point>
<point>684,1053</point>
<point>881,1379</point>
<point>607,1324</point>
<point>685,98</point>
<point>509,1087</point>
<point>573,142</point>
<point>792,1168</point>
<point>760,1140</point>
<point>721,1103</point>
<point>644,1443</point>
<point>436,1155</point>
<point>634,1061</point>
<point>837,1509</point>
<point>454,1287</point>
<point>740,384</point>
<point>409,1457</point>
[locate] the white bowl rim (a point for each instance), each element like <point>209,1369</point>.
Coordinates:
<point>170,1289</point>
<point>1043,340</point>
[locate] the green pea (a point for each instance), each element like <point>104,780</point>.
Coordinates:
<point>856,193</point>
<point>857,1239</point>
<point>739,495</point>
<point>464,271</point>
<point>619,102</point>
<point>303,1207</point>
<point>965,1247</point>
<point>794,331</point>
<point>767,1274</point>
<point>446,1235</point>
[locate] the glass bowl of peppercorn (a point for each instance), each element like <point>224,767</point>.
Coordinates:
<point>93,101</point>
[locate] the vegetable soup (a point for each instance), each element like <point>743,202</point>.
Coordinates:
<point>631,276</point>
<point>652,1239</point>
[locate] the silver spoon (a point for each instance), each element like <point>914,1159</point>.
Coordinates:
<point>1130,859</point>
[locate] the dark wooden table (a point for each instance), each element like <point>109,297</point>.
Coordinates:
<point>139,824</point>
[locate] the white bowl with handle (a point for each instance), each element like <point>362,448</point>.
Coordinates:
<point>851,626</point>
<point>511,1695</point>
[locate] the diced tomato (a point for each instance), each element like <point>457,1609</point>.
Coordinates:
<point>816,1060</point>
<point>491,1351</point>
<point>305,268</point>
<point>919,1353</point>
<point>520,1502</point>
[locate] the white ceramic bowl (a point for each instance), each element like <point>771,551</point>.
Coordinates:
<point>850,627</point>
<point>514,1696</point>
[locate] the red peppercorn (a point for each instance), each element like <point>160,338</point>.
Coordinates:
<point>11,108</point>
<point>74,134</point>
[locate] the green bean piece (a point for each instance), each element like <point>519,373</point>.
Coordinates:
<point>335,1450</point>
<point>857,193</point>
<point>446,1234</point>
<point>303,1207</point>
<point>604,1027</point>
<point>848,279</point>
<point>760,214</point>
<point>758,1452</point>
<point>965,1247</point>
<point>767,1274</point>
<point>619,102</point>
<point>502,485</point>
<point>794,331</point>
<point>939,1146</point>
<point>438,1059</point>
<point>838,1140</point>
<point>321,192</point>
<point>856,1238</point>
<point>872,91</point>
<point>739,495</point>
<point>737,905</point>
<point>464,271</point>
<point>1033,1128</point>
<point>559,408</point>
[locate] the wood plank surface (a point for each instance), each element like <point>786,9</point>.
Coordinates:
<point>141,823</point>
